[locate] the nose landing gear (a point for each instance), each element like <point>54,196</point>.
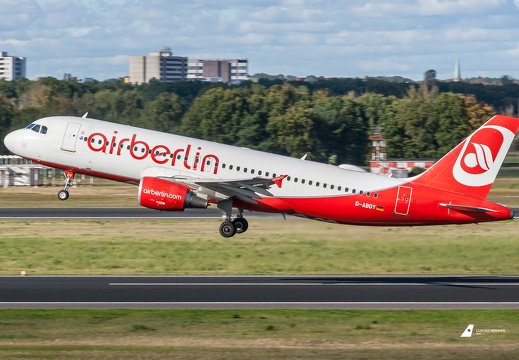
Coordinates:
<point>69,178</point>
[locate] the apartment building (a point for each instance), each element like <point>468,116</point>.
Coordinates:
<point>224,70</point>
<point>161,65</point>
<point>11,67</point>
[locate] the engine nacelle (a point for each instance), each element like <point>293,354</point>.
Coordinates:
<point>167,195</point>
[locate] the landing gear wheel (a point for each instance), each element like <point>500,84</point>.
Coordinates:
<point>227,229</point>
<point>241,225</point>
<point>69,178</point>
<point>63,195</point>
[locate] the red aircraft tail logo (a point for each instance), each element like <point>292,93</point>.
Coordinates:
<point>482,155</point>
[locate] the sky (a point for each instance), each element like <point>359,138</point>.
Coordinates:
<point>331,38</point>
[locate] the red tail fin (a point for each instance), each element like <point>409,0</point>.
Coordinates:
<point>472,166</point>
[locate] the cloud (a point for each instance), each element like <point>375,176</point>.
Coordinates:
<point>299,37</point>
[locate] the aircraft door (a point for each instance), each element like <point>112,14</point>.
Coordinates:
<point>403,200</point>
<point>70,137</point>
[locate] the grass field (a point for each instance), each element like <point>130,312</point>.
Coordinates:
<point>295,246</point>
<point>255,334</point>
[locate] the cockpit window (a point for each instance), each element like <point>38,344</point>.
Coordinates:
<point>42,129</point>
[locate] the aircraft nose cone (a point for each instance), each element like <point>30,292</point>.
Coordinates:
<point>10,141</point>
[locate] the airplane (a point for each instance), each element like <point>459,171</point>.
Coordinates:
<point>175,172</point>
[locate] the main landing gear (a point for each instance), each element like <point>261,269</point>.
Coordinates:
<point>229,227</point>
<point>69,178</point>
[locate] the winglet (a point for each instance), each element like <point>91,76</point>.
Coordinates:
<point>278,180</point>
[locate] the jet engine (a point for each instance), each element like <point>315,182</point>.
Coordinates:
<point>167,195</point>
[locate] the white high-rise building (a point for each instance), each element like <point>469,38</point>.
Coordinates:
<point>224,70</point>
<point>160,65</point>
<point>11,67</point>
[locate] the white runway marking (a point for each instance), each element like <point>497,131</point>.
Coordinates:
<point>368,305</point>
<point>317,284</point>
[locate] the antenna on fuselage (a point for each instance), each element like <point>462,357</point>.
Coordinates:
<point>84,116</point>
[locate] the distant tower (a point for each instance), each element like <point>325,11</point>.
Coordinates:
<point>457,70</point>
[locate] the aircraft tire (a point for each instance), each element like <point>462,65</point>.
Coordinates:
<point>63,195</point>
<point>227,229</point>
<point>241,225</point>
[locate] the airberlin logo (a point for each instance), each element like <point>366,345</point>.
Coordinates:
<point>162,194</point>
<point>482,155</point>
<point>160,154</point>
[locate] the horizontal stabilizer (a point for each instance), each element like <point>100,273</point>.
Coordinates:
<point>466,208</point>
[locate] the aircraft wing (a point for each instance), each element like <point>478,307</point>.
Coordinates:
<point>244,189</point>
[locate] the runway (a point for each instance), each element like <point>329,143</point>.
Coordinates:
<point>261,292</point>
<point>108,214</point>
<point>123,214</point>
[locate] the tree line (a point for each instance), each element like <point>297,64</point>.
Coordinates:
<point>328,120</point>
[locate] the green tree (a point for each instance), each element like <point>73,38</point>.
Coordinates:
<point>163,114</point>
<point>216,115</point>
<point>451,120</point>
<point>342,129</point>
<point>7,114</point>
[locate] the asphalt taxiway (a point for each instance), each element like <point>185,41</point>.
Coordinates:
<point>123,214</point>
<point>260,292</point>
